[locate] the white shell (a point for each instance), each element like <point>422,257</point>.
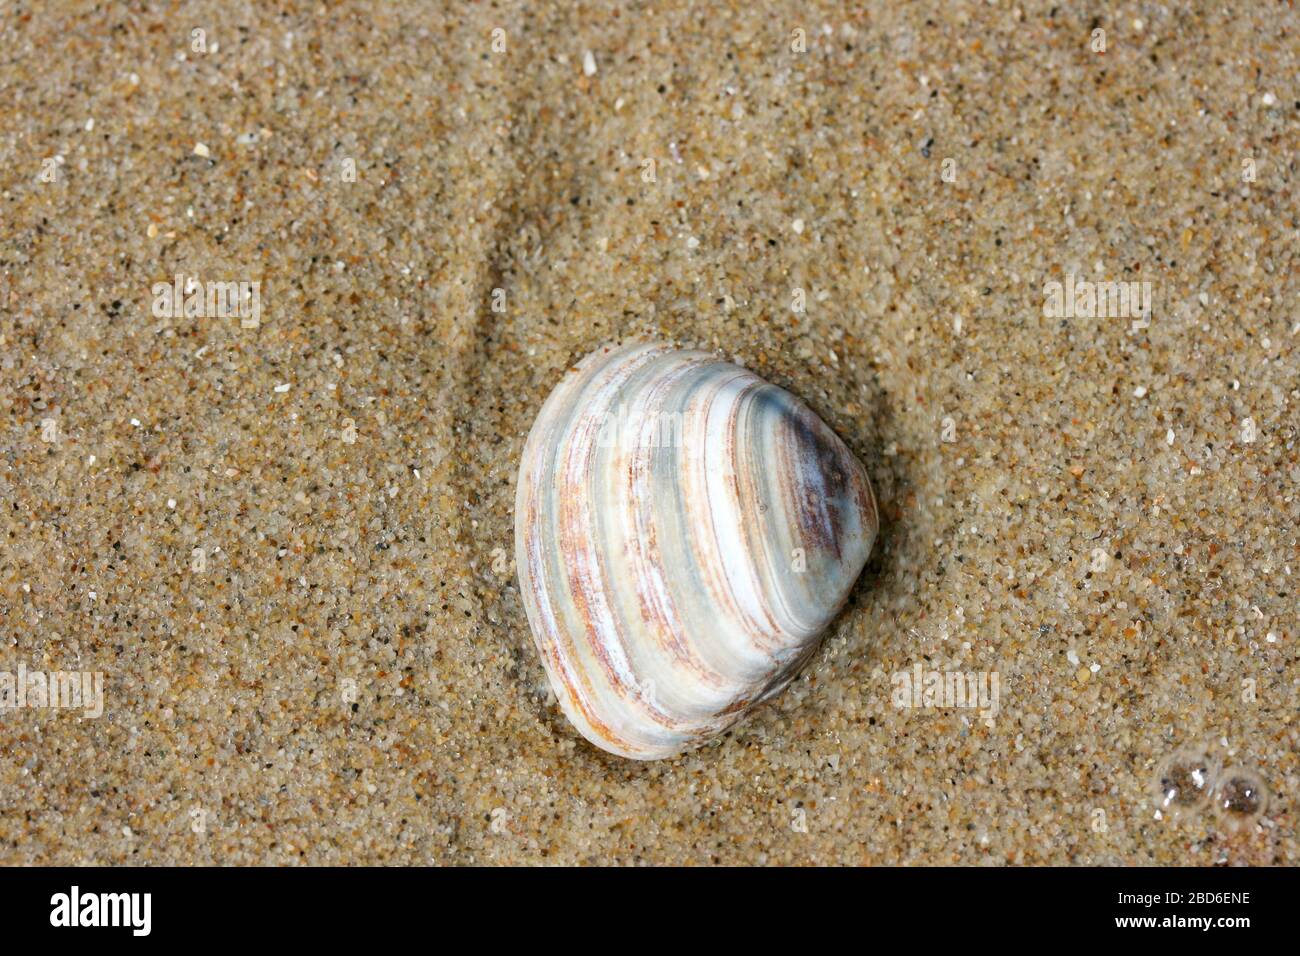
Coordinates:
<point>684,532</point>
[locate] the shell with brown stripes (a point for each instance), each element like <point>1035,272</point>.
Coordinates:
<point>684,532</point>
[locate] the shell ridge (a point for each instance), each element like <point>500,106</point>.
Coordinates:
<point>734,622</point>
<point>769,555</point>
<point>647,596</point>
<point>551,637</point>
<point>611,659</point>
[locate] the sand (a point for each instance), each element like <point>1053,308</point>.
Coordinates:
<point>288,547</point>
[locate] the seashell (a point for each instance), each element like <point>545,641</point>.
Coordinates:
<point>684,533</point>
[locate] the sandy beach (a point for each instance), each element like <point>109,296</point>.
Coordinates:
<point>281,531</point>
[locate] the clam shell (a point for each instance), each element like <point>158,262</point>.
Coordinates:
<point>684,532</point>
